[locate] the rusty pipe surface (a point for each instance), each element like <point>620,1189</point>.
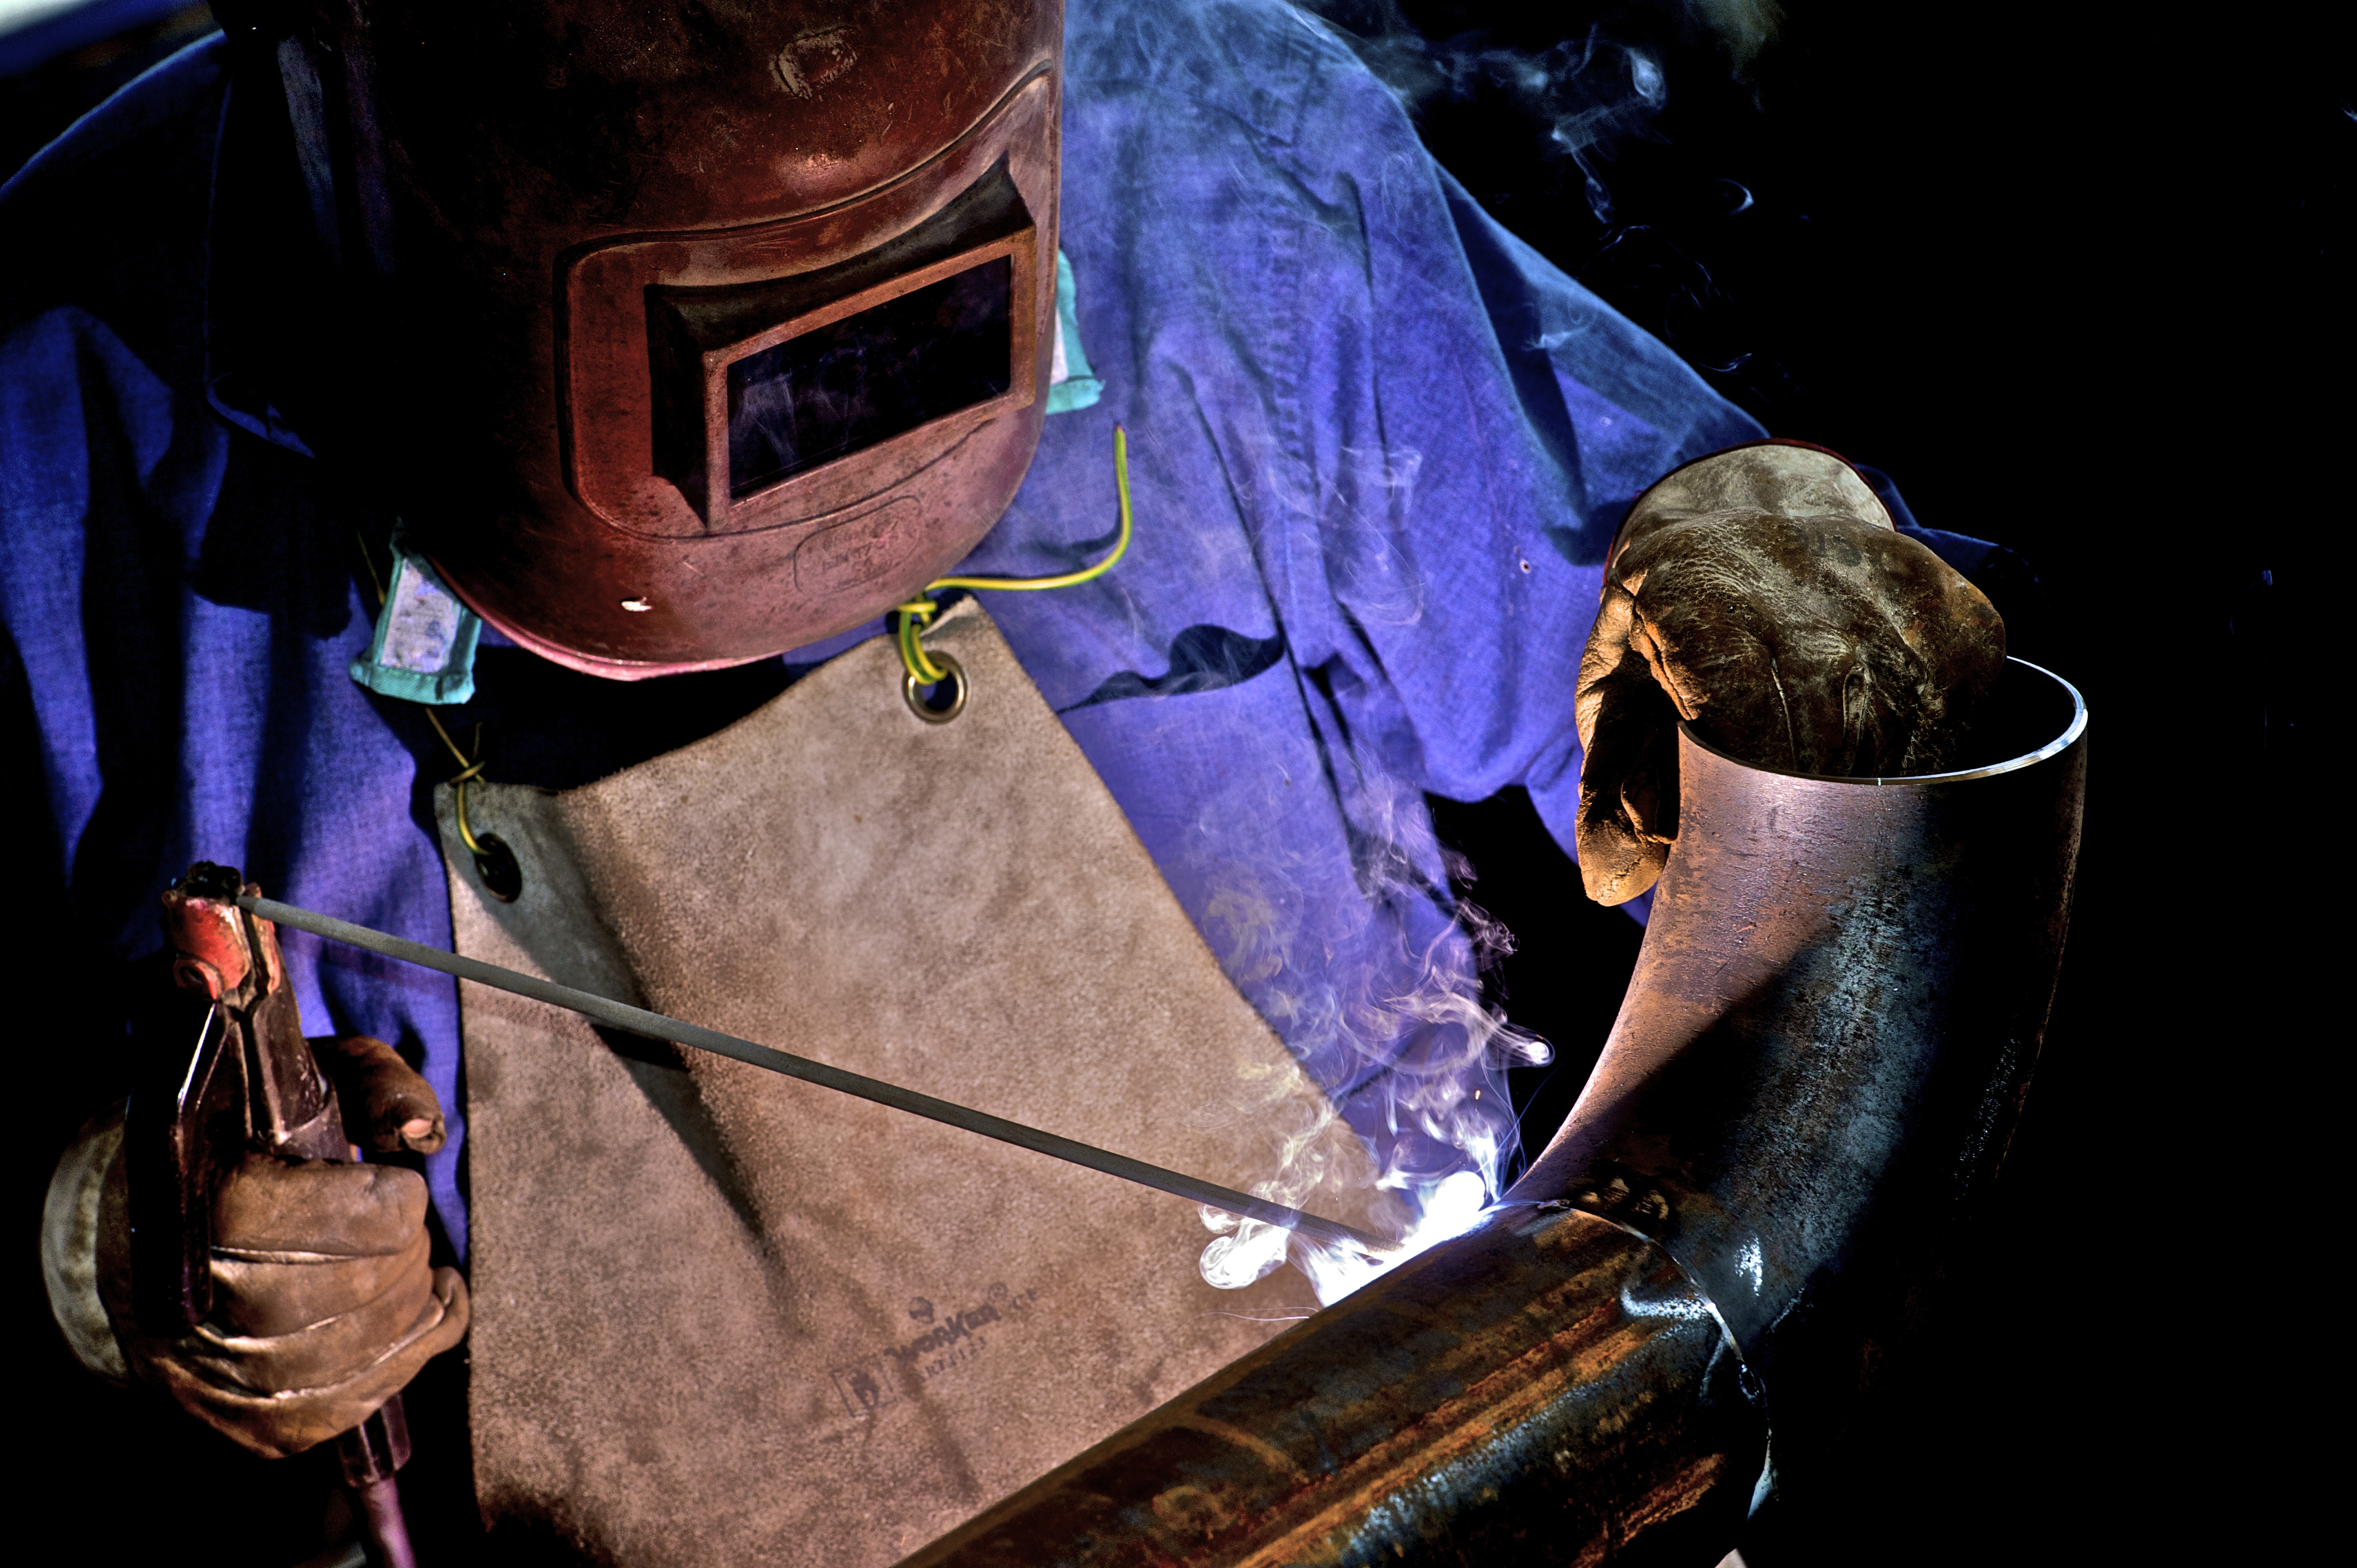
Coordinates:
<point>1820,1058</point>
<point>1546,1388</point>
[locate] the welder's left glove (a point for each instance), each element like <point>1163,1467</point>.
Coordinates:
<point>1762,595</point>
<point>325,1304</point>
<point>325,1300</point>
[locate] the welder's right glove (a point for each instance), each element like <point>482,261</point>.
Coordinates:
<point>324,1301</point>
<point>1762,595</point>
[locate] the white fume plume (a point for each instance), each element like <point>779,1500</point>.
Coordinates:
<point>1378,995</point>
<point>1588,91</point>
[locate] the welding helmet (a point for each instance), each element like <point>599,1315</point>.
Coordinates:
<point>687,331</point>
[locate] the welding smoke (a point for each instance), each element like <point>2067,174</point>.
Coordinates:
<point>1378,995</point>
<point>1317,880</point>
<point>1584,93</point>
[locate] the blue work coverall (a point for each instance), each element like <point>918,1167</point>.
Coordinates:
<point>1378,445</point>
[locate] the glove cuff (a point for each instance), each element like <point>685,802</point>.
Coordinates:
<point>288,1422</point>
<point>69,1221</point>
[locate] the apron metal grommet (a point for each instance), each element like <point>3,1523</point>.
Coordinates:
<point>495,863</point>
<point>948,695</point>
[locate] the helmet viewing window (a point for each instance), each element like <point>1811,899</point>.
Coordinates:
<point>755,383</point>
<point>894,366</point>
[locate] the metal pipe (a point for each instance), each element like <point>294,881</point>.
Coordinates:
<point>1840,994</point>
<point>1828,1040</point>
<point>1544,1389</point>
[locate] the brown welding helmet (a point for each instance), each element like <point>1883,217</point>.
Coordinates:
<point>704,329</point>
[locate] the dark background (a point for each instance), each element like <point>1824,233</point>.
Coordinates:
<point>2078,281</point>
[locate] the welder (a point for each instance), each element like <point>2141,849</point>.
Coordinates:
<point>499,472</point>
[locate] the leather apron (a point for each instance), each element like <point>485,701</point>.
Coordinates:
<point>721,1315</point>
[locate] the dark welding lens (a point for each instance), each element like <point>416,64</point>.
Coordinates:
<point>807,398</point>
<point>866,378</point>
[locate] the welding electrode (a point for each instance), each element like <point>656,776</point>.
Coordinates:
<point>655,1027</point>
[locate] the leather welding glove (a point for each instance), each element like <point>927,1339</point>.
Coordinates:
<point>1764,596</point>
<point>324,1303</point>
